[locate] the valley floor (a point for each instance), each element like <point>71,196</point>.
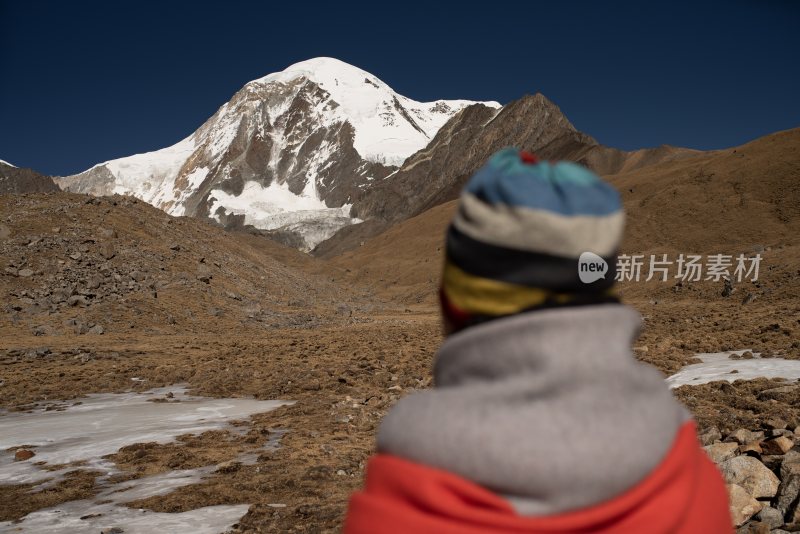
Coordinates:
<point>343,378</point>
<point>110,295</point>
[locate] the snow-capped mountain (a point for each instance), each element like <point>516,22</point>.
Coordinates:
<point>289,152</point>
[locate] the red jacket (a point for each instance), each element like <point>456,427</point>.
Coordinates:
<point>685,494</point>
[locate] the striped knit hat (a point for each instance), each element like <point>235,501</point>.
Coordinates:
<point>519,232</point>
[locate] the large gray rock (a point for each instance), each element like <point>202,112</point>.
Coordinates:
<point>770,516</point>
<point>790,464</point>
<point>752,475</point>
<point>788,492</point>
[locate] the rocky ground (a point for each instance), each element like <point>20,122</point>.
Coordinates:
<point>95,292</point>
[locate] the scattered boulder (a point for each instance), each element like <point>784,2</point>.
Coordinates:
<point>204,274</point>
<point>94,281</point>
<point>106,250</point>
<point>770,516</point>
<point>790,464</point>
<point>790,488</point>
<point>774,424</point>
<point>719,452</point>
<point>728,288</point>
<point>23,454</point>
<point>60,295</point>
<point>108,233</point>
<point>779,445</point>
<point>43,330</point>
<point>25,273</point>
<point>742,505</point>
<point>742,436</point>
<point>751,475</point>
<point>77,300</point>
<point>96,329</point>
<point>710,435</point>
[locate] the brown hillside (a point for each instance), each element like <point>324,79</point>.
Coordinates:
<point>742,200</point>
<point>436,174</point>
<point>728,201</point>
<point>69,261</point>
<point>740,197</point>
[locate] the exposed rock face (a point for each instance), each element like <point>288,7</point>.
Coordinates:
<point>289,152</point>
<point>437,173</point>
<point>15,181</point>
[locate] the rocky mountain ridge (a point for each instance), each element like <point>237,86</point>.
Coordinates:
<point>15,181</point>
<point>289,152</point>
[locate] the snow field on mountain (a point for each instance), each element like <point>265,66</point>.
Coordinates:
<point>382,132</point>
<point>273,207</point>
<point>283,111</point>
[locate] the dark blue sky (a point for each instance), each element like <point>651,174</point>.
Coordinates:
<point>84,82</point>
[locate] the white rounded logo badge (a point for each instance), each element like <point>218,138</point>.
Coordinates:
<point>591,267</point>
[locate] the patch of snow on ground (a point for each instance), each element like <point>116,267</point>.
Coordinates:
<point>7,163</point>
<point>719,366</point>
<point>67,518</point>
<point>101,424</point>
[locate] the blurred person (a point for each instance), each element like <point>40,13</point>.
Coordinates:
<point>541,420</point>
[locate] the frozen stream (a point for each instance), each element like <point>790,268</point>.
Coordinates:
<point>720,366</point>
<point>87,429</point>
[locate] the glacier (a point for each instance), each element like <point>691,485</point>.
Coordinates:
<point>290,152</point>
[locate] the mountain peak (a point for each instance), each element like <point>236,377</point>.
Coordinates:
<point>327,72</point>
<point>388,127</point>
<point>288,154</point>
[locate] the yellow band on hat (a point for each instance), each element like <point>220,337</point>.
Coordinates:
<point>484,296</point>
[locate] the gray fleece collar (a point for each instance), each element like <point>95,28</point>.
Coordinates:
<point>548,409</point>
<point>561,339</point>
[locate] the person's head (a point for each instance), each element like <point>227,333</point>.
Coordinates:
<point>515,242</point>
